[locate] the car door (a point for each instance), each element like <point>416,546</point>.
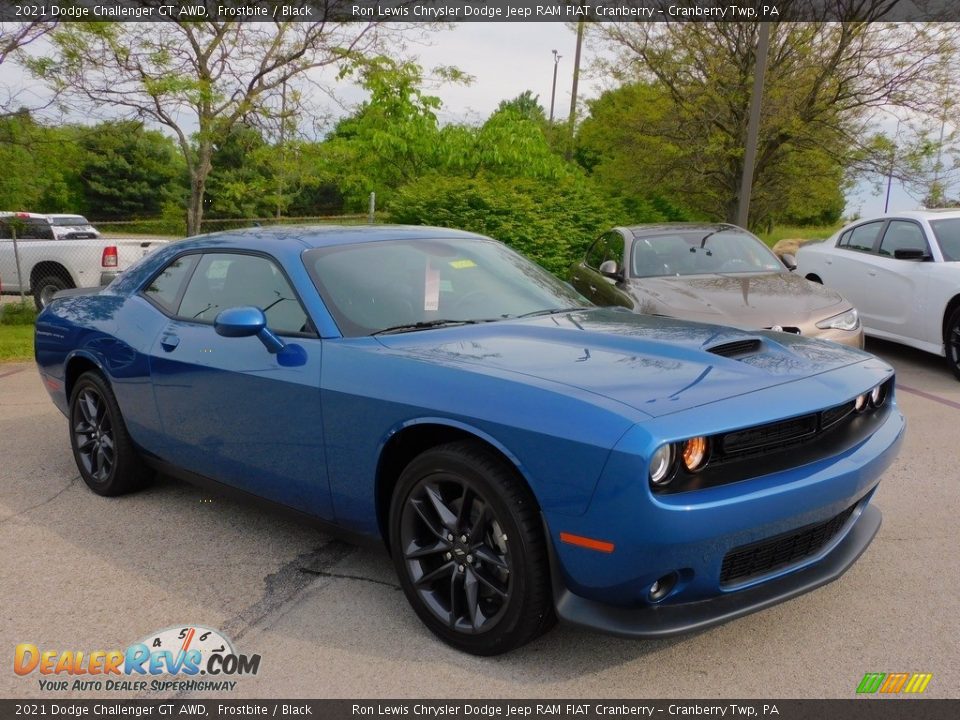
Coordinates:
<point>230,410</point>
<point>848,268</point>
<point>898,296</point>
<point>594,285</point>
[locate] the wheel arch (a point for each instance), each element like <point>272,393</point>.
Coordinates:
<point>50,267</point>
<point>952,306</point>
<point>76,364</point>
<point>415,437</point>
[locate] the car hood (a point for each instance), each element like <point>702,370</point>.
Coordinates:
<point>655,365</point>
<point>747,300</point>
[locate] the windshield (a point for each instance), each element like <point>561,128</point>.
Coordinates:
<point>701,252</point>
<point>69,220</point>
<point>947,232</point>
<point>370,287</point>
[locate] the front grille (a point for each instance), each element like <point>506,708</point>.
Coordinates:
<point>765,556</point>
<point>767,435</point>
<point>737,347</point>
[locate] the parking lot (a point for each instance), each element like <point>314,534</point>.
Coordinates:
<point>81,572</point>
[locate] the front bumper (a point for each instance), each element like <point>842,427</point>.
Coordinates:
<point>689,535</point>
<point>660,621</point>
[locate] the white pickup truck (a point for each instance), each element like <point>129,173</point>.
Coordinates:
<point>48,265</point>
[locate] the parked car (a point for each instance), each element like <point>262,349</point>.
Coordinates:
<point>72,227</point>
<point>49,265</point>
<point>902,271</point>
<point>710,272</point>
<point>521,453</point>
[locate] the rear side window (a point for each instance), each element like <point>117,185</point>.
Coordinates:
<point>947,232</point>
<point>863,237</point>
<point>164,289</point>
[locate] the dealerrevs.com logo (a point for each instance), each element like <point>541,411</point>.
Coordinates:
<point>199,658</point>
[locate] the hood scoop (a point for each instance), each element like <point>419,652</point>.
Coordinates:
<point>737,348</point>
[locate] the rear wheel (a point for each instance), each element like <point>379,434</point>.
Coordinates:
<point>469,550</point>
<point>46,288</point>
<point>952,342</point>
<point>106,457</point>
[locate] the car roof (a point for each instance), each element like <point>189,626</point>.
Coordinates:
<point>659,228</point>
<point>928,214</point>
<point>317,236</point>
<point>23,215</point>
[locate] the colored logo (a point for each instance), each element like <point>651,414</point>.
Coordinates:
<point>894,683</point>
<point>186,651</point>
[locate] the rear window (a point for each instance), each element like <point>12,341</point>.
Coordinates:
<point>69,220</point>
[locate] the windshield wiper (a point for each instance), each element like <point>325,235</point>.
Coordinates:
<point>427,324</point>
<point>549,311</point>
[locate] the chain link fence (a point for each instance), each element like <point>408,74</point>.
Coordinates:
<point>38,257</point>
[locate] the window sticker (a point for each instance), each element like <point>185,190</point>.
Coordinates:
<point>431,290</point>
<point>462,264</point>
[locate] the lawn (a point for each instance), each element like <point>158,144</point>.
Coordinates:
<point>798,233</point>
<point>16,332</point>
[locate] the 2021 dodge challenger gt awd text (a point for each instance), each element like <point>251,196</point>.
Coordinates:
<point>523,455</point>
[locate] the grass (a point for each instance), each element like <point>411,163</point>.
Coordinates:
<point>821,232</point>
<point>16,331</point>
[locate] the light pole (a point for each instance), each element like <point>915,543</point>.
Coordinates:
<point>553,93</point>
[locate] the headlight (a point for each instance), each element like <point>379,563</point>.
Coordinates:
<point>849,320</point>
<point>860,404</point>
<point>661,465</point>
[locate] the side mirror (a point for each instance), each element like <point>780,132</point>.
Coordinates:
<point>608,268</point>
<point>910,254</point>
<point>246,322</point>
<point>789,261</point>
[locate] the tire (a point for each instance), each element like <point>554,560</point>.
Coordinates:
<point>951,343</point>
<point>106,457</point>
<point>486,591</point>
<point>44,289</point>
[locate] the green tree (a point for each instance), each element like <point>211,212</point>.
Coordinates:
<point>823,79</point>
<point>198,78</point>
<point>129,172</point>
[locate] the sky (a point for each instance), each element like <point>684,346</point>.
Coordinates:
<point>505,59</point>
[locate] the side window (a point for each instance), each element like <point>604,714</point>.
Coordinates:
<point>597,253</point>
<point>225,280</point>
<point>845,239</point>
<point>903,235</point>
<point>164,289</point>
<point>863,236</point>
<point>36,229</point>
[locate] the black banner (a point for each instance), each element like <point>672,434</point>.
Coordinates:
<point>481,10</point>
<point>893,708</point>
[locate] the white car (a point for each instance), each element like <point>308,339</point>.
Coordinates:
<point>72,227</point>
<point>902,272</point>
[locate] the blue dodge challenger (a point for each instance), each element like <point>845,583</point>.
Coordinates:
<point>523,455</point>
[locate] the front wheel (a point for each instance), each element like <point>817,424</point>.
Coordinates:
<point>952,343</point>
<point>469,549</point>
<point>106,457</point>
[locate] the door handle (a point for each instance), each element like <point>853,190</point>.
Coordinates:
<point>169,342</point>
<point>829,262</point>
<point>592,288</point>
<point>872,273</point>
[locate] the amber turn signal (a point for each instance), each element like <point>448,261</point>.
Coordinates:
<point>695,453</point>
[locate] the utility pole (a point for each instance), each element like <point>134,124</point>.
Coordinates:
<point>553,93</point>
<point>753,126</point>
<point>573,90</point>
<point>283,147</point>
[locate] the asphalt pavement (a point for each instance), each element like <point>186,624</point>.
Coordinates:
<point>81,572</point>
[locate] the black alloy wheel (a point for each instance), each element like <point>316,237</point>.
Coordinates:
<point>469,549</point>
<point>106,457</point>
<point>952,343</point>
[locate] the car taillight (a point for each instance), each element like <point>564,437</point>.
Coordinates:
<point>109,256</point>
